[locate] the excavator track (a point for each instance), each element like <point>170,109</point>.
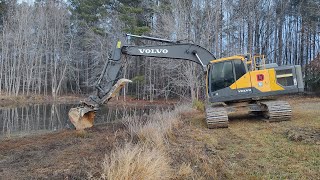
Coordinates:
<point>276,111</point>
<point>216,117</point>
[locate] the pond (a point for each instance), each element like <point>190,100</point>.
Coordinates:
<point>43,118</point>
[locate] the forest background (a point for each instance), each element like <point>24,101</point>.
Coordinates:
<point>58,47</point>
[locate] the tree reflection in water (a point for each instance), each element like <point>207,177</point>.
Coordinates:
<point>41,118</point>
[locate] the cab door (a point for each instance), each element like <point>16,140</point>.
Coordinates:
<point>221,78</point>
<point>243,78</point>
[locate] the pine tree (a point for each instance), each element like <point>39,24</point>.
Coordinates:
<point>136,15</point>
<point>90,12</point>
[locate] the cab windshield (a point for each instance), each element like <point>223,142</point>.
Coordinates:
<point>224,74</point>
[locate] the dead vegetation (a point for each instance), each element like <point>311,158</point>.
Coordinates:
<point>154,130</point>
<point>306,135</point>
<point>148,158</point>
<point>136,161</point>
<point>165,140</point>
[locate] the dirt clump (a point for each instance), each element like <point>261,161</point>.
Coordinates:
<point>307,135</point>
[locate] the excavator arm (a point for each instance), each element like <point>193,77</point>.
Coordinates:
<point>109,83</point>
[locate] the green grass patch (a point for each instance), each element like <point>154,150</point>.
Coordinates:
<point>198,105</point>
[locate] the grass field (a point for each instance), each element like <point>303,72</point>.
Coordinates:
<point>253,149</point>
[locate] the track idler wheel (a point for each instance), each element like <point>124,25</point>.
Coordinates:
<point>82,117</point>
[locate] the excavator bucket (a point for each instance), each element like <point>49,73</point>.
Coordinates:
<point>83,117</point>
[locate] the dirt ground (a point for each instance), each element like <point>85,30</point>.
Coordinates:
<point>249,149</point>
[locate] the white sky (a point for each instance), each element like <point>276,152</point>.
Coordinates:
<point>28,1</point>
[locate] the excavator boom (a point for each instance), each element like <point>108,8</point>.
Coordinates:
<point>109,83</point>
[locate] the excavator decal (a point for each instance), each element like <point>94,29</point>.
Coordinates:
<point>153,51</point>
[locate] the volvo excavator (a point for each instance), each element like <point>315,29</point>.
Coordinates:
<point>232,83</point>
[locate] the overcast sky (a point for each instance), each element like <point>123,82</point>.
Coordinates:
<point>30,1</point>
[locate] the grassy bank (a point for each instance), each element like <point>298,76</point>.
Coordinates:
<point>12,101</point>
<point>164,145</point>
<point>177,145</point>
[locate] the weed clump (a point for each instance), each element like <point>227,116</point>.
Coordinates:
<point>82,134</point>
<point>156,129</point>
<point>147,158</point>
<point>198,105</point>
<point>136,162</point>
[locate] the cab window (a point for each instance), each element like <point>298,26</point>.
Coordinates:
<point>222,75</point>
<point>239,68</point>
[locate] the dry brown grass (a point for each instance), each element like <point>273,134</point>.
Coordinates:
<point>157,128</point>
<point>249,149</point>
<point>136,162</point>
<point>253,149</point>
<point>147,159</point>
<point>184,172</point>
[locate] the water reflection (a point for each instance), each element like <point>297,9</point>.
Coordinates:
<point>41,118</point>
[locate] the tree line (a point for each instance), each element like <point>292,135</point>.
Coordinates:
<point>57,47</point>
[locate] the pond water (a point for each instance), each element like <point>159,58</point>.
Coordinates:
<point>43,118</point>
